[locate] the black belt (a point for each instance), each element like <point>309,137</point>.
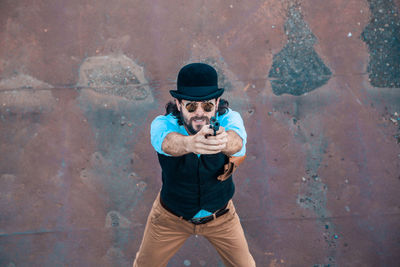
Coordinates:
<point>201,220</point>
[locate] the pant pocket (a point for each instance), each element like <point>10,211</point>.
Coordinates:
<point>157,212</point>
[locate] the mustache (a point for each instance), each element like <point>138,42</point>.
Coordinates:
<point>200,118</point>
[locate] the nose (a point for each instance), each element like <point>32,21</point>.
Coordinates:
<point>199,111</point>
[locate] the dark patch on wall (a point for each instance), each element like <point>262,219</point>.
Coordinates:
<point>116,127</point>
<point>313,189</point>
<point>115,132</point>
<point>382,35</point>
<point>297,68</point>
<point>116,99</point>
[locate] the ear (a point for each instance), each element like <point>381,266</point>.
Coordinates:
<point>217,103</point>
<point>178,104</point>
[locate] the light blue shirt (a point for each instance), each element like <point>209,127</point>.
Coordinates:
<point>163,125</point>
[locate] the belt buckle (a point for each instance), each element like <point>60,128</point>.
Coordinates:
<point>197,220</point>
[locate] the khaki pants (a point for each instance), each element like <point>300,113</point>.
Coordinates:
<point>165,233</point>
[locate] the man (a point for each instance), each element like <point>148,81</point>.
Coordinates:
<point>197,164</point>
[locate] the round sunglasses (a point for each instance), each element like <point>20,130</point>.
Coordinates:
<point>192,106</point>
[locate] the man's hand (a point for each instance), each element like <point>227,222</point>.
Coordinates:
<point>204,142</point>
<point>227,142</point>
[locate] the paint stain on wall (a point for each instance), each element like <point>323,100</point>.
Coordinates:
<point>297,68</point>
<point>382,35</point>
<point>115,75</point>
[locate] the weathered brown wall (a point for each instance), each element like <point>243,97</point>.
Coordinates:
<point>81,81</point>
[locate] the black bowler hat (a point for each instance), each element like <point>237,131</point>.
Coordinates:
<point>197,82</point>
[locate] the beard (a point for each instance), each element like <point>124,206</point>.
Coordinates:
<point>189,123</point>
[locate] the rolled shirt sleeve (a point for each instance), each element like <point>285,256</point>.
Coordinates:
<point>160,128</point>
<point>233,121</point>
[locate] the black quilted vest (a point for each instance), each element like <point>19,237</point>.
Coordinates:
<point>190,183</point>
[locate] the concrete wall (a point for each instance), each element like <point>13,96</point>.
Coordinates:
<point>317,83</point>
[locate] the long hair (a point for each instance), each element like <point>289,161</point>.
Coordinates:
<point>171,107</point>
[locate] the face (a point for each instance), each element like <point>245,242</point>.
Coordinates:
<point>196,114</point>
